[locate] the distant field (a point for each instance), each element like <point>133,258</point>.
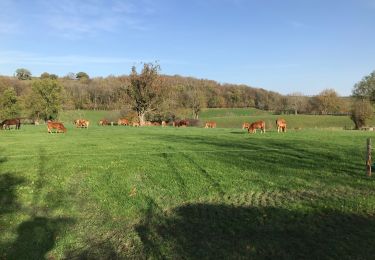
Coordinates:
<point>234,117</point>
<point>187,193</point>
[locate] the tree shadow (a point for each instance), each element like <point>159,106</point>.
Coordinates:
<point>36,235</point>
<point>8,198</point>
<point>219,231</point>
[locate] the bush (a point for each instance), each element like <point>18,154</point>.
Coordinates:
<point>362,110</point>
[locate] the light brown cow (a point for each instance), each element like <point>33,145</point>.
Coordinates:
<point>82,123</point>
<point>135,124</point>
<point>245,125</point>
<point>257,125</point>
<point>163,123</point>
<point>210,124</point>
<point>104,122</point>
<point>59,127</point>
<point>123,121</point>
<point>281,125</point>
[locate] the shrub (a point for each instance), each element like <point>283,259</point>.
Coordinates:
<point>362,110</point>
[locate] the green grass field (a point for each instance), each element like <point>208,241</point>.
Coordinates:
<point>176,193</point>
<point>233,118</point>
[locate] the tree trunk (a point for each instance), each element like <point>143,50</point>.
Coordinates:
<point>141,117</point>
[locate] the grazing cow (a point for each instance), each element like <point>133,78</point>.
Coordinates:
<point>181,123</point>
<point>59,127</point>
<point>135,124</point>
<point>281,125</point>
<point>163,123</point>
<point>8,122</point>
<point>123,121</point>
<point>245,125</point>
<point>82,123</point>
<point>156,124</point>
<point>257,125</point>
<point>104,122</point>
<point>211,124</point>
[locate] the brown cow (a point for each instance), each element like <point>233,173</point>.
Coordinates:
<point>104,122</point>
<point>181,123</point>
<point>210,124</point>
<point>59,127</point>
<point>123,121</point>
<point>163,123</point>
<point>257,125</point>
<point>245,125</point>
<point>82,123</point>
<point>135,124</point>
<point>281,125</point>
<point>8,122</point>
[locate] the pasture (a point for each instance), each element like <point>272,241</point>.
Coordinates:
<point>152,192</point>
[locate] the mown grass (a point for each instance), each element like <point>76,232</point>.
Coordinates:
<point>233,118</point>
<point>123,192</point>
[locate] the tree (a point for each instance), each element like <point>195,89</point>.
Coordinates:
<point>82,75</point>
<point>296,102</point>
<point>145,89</point>
<point>23,74</point>
<point>46,75</point>
<point>365,89</point>
<point>361,112</point>
<point>195,100</point>
<point>45,99</point>
<point>327,102</point>
<point>9,104</point>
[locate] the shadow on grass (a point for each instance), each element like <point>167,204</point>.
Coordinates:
<point>94,250</point>
<point>36,235</point>
<point>218,231</point>
<point>8,198</point>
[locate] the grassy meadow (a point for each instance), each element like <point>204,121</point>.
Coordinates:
<point>175,193</point>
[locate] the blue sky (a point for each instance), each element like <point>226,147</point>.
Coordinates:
<point>281,45</point>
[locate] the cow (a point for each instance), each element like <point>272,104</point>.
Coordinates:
<point>123,121</point>
<point>257,125</point>
<point>135,124</point>
<point>181,123</point>
<point>245,125</point>
<point>281,125</point>
<point>210,124</point>
<point>59,127</point>
<point>104,122</point>
<point>155,123</point>
<point>163,123</point>
<point>8,122</point>
<point>82,123</point>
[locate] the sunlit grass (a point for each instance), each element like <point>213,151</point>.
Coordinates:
<point>108,192</point>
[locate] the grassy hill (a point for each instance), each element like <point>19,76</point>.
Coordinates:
<point>152,192</point>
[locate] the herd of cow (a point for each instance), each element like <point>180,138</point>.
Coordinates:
<point>59,127</point>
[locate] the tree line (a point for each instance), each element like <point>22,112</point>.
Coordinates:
<point>147,93</point>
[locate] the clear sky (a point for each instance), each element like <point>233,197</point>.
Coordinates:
<point>281,45</point>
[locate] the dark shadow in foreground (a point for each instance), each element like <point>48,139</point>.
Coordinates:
<point>206,231</point>
<point>36,237</point>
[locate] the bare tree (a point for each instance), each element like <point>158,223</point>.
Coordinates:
<point>296,102</point>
